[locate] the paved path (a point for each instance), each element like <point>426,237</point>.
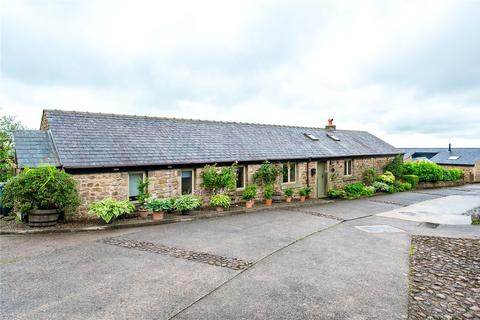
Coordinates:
<point>307,263</point>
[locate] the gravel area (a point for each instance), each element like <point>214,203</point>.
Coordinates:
<point>212,259</point>
<point>444,278</point>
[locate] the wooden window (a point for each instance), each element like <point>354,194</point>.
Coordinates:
<point>348,167</point>
<point>241,177</point>
<point>289,172</point>
<point>134,178</point>
<point>187,181</point>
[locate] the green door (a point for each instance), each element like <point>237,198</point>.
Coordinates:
<point>321,192</point>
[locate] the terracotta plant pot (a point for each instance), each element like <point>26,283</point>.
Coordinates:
<point>302,198</point>
<point>288,199</point>
<point>268,202</point>
<point>249,204</point>
<point>158,216</point>
<point>143,213</point>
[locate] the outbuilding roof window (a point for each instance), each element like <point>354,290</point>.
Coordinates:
<point>453,157</point>
<point>311,136</point>
<point>333,137</point>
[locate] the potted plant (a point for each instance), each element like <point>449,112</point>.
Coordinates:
<point>186,203</point>
<point>159,207</point>
<point>43,193</point>
<point>288,193</point>
<point>249,194</point>
<point>109,209</point>
<point>303,194</point>
<point>142,197</point>
<point>268,194</point>
<point>220,201</point>
<point>308,190</point>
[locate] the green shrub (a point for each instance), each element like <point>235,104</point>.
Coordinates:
<point>303,192</point>
<point>396,166</point>
<point>308,190</point>
<point>186,202</point>
<point>268,192</point>
<point>369,176</point>
<point>250,192</point>
<point>267,174</point>
<point>288,192</point>
<point>336,193</point>
<point>41,188</point>
<point>219,179</point>
<point>159,205</point>
<point>391,189</point>
<point>108,209</point>
<point>220,200</point>
<point>354,189</point>
<point>405,186</point>
<point>386,177</point>
<point>368,191</point>
<point>426,171</point>
<point>412,179</point>
<point>143,193</point>
<point>452,174</point>
<point>380,186</point>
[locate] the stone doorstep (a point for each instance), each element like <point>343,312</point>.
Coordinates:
<point>196,215</point>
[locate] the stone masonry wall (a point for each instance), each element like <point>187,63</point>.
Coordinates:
<point>335,168</point>
<point>97,186</point>
<point>164,183</point>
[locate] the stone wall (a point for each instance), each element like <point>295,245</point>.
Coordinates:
<point>164,183</point>
<point>97,186</point>
<point>336,178</point>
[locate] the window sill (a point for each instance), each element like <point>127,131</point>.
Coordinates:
<point>348,178</point>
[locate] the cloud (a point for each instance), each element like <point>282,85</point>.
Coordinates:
<point>397,69</point>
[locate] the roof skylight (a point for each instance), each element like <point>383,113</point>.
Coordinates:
<point>453,157</point>
<point>311,136</point>
<point>333,137</point>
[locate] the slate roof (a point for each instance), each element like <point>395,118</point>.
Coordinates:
<point>466,156</point>
<point>86,140</point>
<point>33,148</point>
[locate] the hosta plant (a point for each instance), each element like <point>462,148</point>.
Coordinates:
<point>220,200</point>
<point>186,202</point>
<point>109,209</point>
<point>160,205</point>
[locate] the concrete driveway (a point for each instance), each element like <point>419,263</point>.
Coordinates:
<point>323,262</point>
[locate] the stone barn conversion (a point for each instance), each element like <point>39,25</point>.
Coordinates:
<point>110,154</point>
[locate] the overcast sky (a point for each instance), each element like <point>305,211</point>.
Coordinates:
<point>408,71</point>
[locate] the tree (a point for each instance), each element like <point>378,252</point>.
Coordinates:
<point>8,125</point>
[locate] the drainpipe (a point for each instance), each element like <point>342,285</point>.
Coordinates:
<point>308,173</point>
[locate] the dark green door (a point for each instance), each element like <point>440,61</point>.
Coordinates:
<point>321,181</point>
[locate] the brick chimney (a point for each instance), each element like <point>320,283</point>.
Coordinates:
<point>330,126</point>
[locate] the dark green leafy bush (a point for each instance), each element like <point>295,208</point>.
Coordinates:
<point>369,176</point>
<point>288,192</point>
<point>250,192</point>
<point>41,188</point>
<point>186,202</point>
<point>268,192</point>
<point>219,179</point>
<point>412,179</point>
<point>396,166</point>
<point>354,189</point>
<point>431,172</point>
<point>267,174</point>
<point>160,205</point>
<point>303,192</point>
<point>368,191</point>
<point>336,194</point>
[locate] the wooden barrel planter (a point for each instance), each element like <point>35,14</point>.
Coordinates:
<point>42,218</point>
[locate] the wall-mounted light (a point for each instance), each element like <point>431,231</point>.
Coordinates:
<point>313,172</point>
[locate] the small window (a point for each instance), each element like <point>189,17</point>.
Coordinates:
<point>187,182</point>
<point>333,137</point>
<point>240,177</point>
<point>453,157</point>
<point>134,180</point>
<point>289,172</point>
<point>348,167</point>
<point>311,136</point>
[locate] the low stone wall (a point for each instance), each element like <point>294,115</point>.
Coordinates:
<point>439,184</point>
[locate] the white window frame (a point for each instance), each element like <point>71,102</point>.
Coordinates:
<point>143,173</point>
<point>193,180</point>
<point>348,167</point>
<point>244,177</point>
<point>288,172</point>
